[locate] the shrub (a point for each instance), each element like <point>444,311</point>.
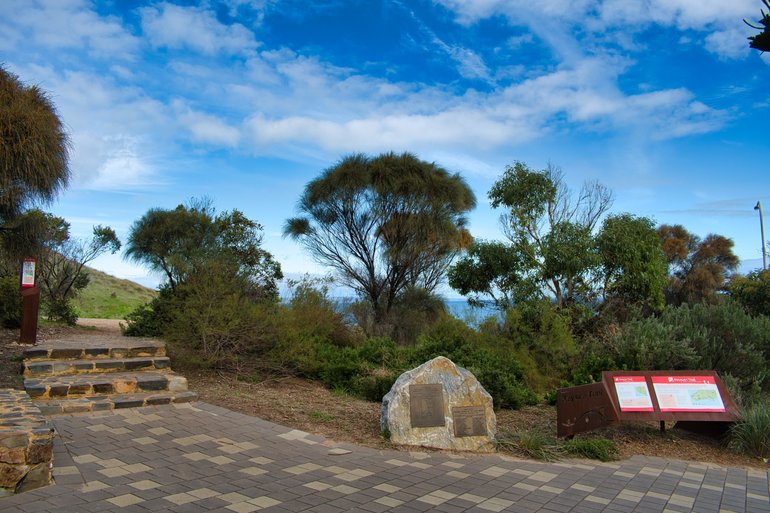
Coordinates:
<point>532,444</point>
<point>374,384</point>
<point>489,359</point>
<point>652,344</point>
<point>751,435</point>
<point>593,448</point>
<point>727,339</point>
<point>752,291</point>
<point>143,321</point>
<point>210,314</point>
<point>543,342</point>
<point>151,319</point>
<point>60,310</point>
<point>10,302</point>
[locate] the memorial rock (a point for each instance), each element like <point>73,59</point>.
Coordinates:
<point>439,405</point>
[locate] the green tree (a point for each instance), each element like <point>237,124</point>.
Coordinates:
<point>34,148</point>
<point>634,266</point>
<point>62,264</point>
<point>489,270</point>
<point>550,249</point>
<point>385,224</point>
<point>180,242</point>
<point>698,269</point>
<point>752,291</point>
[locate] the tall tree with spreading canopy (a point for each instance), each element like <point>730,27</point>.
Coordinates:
<point>550,249</point>
<point>34,158</point>
<point>698,268</point>
<point>34,147</point>
<point>385,224</point>
<point>179,242</point>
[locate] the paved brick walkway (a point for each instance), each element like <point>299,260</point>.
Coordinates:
<point>198,457</point>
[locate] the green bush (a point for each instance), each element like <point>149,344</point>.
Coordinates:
<point>653,344</point>
<point>60,310</point>
<point>210,314</point>
<point>600,449</point>
<point>751,435</point>
<point>374,384</point>
<point>727,339</point>
<point>10,302</point>
<point>496,368</point>
<point>543,342</point>
<point>531,444</point>
<point>722,337</point>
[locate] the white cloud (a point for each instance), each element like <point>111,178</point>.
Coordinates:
<point>64,24</point>
<point>718,20</point>
<point>206,128</point>
<point>109,162</point>
<point>172,26</point>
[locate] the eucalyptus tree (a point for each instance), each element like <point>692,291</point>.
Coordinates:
<point>385,224</point>
<point>550,249</point>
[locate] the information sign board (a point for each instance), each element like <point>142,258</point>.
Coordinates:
<point>688,393</point>
<point>633,394</point>
<point>28,273</point>
<point>695,400</point>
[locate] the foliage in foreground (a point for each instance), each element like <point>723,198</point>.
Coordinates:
<point>751,435</point>
<point>600,449</point>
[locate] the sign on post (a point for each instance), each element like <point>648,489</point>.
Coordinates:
<point>689,398</point>
<point>30,303</point>
<point>28,273</point>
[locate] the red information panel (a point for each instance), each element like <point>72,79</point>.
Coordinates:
<point>688,393</point>
<point>633,393</point>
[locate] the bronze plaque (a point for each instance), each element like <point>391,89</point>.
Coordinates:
<point>426,405</point>
<point>582,408</point>
<point>469,421</point>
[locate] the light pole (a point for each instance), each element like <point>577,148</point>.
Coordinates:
<point>758,206</point>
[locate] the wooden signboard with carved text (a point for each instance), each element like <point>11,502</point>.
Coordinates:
<point>687,397</point>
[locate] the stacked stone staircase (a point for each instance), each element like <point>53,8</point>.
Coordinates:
<point>94,374</point>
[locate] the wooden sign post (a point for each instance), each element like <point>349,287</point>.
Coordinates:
<point>30,303</point>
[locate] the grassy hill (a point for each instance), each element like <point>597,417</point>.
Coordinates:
<point>108,297</point>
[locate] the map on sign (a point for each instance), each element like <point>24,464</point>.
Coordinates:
<point>633,394</point>
<point>688,393</point>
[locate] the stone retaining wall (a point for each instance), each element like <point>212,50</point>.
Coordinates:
<point>26,444</point>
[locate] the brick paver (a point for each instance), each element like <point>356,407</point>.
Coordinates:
<point>198,457</point>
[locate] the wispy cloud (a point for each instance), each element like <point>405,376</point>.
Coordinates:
<point>176,27</point>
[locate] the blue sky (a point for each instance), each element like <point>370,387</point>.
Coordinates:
<point>245,101</point>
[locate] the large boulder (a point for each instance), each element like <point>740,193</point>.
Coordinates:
<point>439,405</point>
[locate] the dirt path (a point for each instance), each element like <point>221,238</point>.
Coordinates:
<point>108,325</point>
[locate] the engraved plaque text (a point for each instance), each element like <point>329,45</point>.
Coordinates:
<point>426,405</point>
<point>469,421</point>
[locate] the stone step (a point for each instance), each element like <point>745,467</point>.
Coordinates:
<point>39,368</point>
<point>60,387</point>
<point>112,402</point>
<point>125,347</point>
